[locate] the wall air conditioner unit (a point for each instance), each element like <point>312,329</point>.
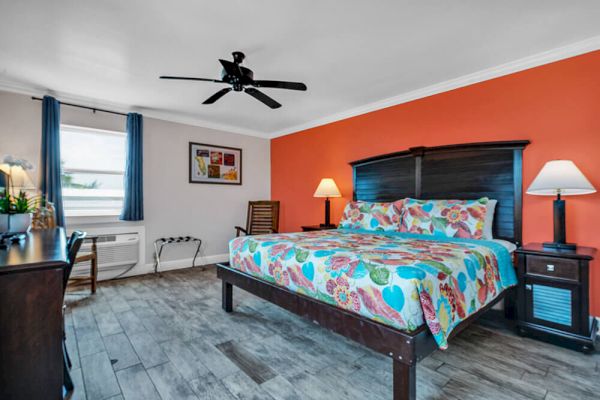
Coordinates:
<point>117,253</point>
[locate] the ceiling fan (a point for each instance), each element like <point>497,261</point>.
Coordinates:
<point>240,78</point>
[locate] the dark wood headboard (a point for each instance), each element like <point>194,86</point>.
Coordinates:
<point>465,171</point>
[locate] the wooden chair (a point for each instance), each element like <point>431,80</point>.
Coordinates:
<point>44,217</point>
<point>263,218</point>
<point>92,257</point>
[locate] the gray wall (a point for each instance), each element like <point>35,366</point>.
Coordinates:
<point>172,205</point>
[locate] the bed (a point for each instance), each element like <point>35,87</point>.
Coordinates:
<point>391,291</point>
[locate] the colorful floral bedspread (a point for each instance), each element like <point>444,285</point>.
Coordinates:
<point>399,279</point>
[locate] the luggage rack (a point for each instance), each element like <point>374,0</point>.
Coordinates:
<point>161,242</point>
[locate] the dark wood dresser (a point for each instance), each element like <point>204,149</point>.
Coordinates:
<point>553,296</point>
<point>31,322</point>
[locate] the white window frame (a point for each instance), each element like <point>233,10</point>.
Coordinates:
<point>83,193</point>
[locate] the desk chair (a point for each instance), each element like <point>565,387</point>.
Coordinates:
<point>44,217</point>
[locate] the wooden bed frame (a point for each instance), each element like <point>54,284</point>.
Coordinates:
<point>466,171</point>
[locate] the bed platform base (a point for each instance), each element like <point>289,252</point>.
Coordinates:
<point>404,348</point>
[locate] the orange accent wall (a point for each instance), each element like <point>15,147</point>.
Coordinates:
<point>555,106</point>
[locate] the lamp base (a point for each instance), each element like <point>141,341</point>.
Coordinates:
<point>326,225</point>
<point>560,233</point>
<point>560,246</point>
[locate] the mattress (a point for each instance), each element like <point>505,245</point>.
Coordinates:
<point>402,280</point>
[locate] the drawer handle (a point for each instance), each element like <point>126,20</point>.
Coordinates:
<point>528,287</point>
<point>550,268</point>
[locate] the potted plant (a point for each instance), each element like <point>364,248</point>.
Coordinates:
<point>16,212</point>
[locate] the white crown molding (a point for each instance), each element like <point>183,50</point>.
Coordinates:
<point>546,57</point>
<point>164,115</point>
<point>536,60</point>
<point>189,120</point>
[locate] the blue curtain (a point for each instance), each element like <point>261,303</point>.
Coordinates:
<point>50,165</point>
<point>133,207</point>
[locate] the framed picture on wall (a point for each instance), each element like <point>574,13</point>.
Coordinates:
<point>215,164</point>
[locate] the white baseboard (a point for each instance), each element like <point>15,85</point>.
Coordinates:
<point>187,262</point>
<point>142,269</point>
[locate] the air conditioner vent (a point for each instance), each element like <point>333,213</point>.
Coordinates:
<point>115,252</point>
<point>104,238</point>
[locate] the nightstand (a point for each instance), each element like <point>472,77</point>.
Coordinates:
<point>553,296</point>
<point>309,228</point>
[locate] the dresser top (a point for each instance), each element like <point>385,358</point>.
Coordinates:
<point>581,253</point>
<point>41,249</point>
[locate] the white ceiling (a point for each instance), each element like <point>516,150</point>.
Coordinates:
<point>354,55</point>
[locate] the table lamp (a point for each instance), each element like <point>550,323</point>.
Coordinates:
<point>560,178</point>
<point>16,178</point>
<point>327,188</point>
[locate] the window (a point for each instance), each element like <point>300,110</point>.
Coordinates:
<point>93,164</point>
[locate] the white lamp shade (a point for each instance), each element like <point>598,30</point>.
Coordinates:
<point>560,176</point>
<point>19,178</point>
<point>327,188</point>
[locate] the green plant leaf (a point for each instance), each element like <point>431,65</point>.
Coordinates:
<point>21,204</point>
<point>4,203</point>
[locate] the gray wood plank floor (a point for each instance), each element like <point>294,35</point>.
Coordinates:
<point>166,337</point>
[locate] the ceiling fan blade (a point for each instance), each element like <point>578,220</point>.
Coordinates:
<point>217,96</point>
<point>260,96</point>
<point>185,78</point>
<point>280,85</point>
<point>231,68</point>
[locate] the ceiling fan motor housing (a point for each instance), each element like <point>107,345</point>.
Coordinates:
<point>246,78</point>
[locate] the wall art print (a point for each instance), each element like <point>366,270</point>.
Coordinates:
<point>215,164</point>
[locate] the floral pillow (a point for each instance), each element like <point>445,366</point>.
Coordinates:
<point>451,218</point>
<point>372,216</point>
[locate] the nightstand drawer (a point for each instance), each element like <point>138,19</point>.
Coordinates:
<point>553,267</point>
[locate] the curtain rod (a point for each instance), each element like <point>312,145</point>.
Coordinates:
<point>94,109</point>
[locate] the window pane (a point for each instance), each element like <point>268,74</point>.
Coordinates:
<point>90,150</point>
<point>92,206</point>
<point>92,177</point>
<point>79,180</point>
